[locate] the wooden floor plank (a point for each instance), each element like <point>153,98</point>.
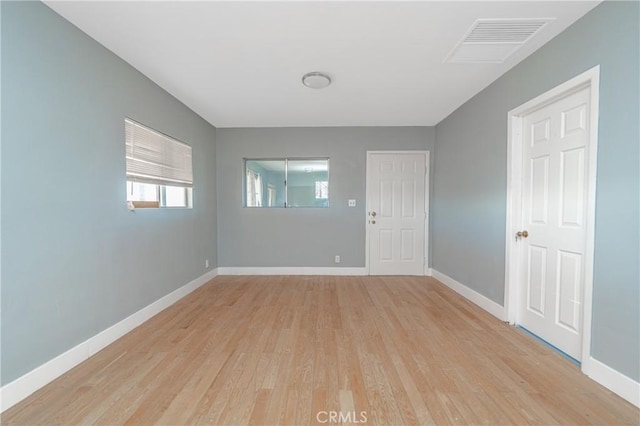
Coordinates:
<point>280,350</point>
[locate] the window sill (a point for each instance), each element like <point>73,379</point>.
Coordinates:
<point>143,204</point>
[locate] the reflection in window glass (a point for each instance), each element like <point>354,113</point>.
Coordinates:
<point>271,195</point>
<point>322,190</point>
<point>287,183</point>
<point>302,183</point>
<point>254,189</point>
<point>265,183</point>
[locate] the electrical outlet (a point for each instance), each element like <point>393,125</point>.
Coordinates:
<point>206,263</point>
<point>337,259</point>
<point>352,203</point>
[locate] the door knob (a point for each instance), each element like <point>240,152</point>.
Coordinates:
<point>373,214</point>
<point>522,234</point>
<point>373,222</point>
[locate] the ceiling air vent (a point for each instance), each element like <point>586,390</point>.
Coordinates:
<point>494,40</point>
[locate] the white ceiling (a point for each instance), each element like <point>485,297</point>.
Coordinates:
<point>240,64</point>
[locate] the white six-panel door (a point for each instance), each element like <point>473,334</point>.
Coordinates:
<point>554,197</point>
<point>396,213</point>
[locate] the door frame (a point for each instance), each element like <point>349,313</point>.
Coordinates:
<point>515,119</point>
<point>427,159</point>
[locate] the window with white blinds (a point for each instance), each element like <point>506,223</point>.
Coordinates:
<point>156,158</point>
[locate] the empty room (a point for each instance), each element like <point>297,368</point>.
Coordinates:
<point>331,212</point>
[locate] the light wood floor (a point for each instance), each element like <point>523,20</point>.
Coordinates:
<point>283,350</point>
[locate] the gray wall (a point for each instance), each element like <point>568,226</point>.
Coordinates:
<point>307,237</point>
<point>469,198</point>
<point>75,260</point>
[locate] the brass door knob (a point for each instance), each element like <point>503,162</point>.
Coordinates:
<point>522,234</point>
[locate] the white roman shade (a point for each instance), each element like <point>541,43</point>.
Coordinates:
<point>156,158</point>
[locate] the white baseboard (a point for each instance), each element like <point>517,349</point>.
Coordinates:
<point>22,387</point>
<point>16,391</point>
<point>615,381</point>
<point>484,302</point>
<point>290,271</point>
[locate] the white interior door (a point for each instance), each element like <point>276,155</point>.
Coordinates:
<point>396,204</point>
<point>553,235</point>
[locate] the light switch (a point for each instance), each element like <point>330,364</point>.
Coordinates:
<point>352,203</point>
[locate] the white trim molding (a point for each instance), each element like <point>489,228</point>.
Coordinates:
<point>22,387</point>
<point>482,301</point>
<point>515,119</point>
<point>615,381</point>
<point>291,271</point>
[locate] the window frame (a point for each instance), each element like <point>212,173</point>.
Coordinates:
<point>161,180</point>
<point>161,202</point>
<point>286,181</point>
